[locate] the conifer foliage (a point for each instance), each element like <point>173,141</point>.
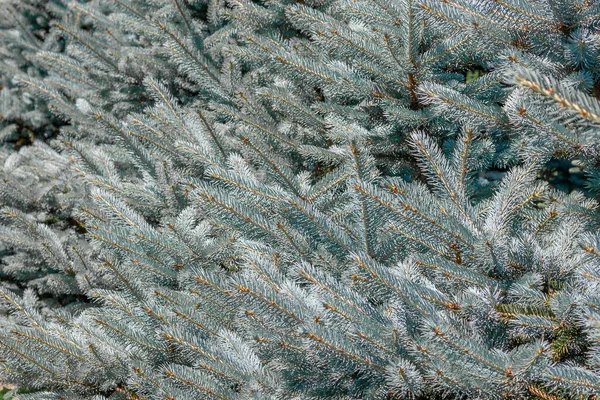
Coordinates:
<point>299,200</point>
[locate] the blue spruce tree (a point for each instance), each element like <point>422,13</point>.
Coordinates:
<point>300,200</point>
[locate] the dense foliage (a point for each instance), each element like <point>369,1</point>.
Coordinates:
<point>300,200</point>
